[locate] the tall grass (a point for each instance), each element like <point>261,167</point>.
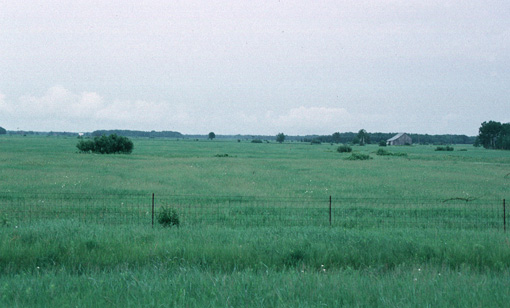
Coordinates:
<point>65,262</point>
<point>80,247</point>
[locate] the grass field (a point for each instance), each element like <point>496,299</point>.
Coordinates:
<point>66,261</point>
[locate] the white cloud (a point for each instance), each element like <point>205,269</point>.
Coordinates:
<point>305,120</point>
<point>62,110</point>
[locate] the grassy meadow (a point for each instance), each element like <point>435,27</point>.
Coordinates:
<point>65,261</point>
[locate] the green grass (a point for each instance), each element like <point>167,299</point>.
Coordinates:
<point>64,262</point>
<point>239,254</point>
<point>52,165</point>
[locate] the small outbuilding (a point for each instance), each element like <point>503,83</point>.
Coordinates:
<point>400,139</point>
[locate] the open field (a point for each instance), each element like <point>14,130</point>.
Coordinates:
<point>63,260</point>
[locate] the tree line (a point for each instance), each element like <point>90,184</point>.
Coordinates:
<point>138,133</point>
<point>364,137</point>
<point>494,135</point>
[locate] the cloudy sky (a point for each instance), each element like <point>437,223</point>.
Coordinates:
<point>255,67</point>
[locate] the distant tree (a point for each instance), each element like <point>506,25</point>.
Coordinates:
<point>489,133</point>
<point>280,137</point>
<point>212,135</point>
<point>503,141</point>
<point>112,144</point>
<point>3,131</point>
<point>336,137</point>
<point>363,137</point>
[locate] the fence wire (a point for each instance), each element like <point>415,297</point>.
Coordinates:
<point>247,211</point>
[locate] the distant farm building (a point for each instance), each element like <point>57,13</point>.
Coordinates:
<point>400,139</point>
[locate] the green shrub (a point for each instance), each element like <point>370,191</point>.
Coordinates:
<point>221,155</point>
<point>315,141</point>
<point>447,148</point>
<point>344,149</point>
<point>383,152</point>
<point>112,144</point>
<point>256,141</point>
<point>359,156</point>
<point>382,143</point>
<point>168,217</point>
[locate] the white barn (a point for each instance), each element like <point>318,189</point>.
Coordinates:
<point>400,139</point>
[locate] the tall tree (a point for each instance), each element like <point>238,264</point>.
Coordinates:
<point>280,137</point>
<point>488,134</point>
<point>212,135</point>
<point>363,137</point>
<point>503,141</point>
<point>336,137</point>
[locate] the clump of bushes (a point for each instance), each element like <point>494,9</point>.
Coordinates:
<point>359,156</point>
<point>447,148</point>
<point>344,149</point>
<point>113,144</point>
<point>221,155</point>
<point>168,217</point>
<point>382,143</point>
<point>383,152</point>
<point>256,141</point>
<point>315,141</point>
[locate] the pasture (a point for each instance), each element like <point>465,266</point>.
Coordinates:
<point>252,242</point>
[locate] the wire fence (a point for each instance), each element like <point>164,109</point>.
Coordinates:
<point>247,211</point>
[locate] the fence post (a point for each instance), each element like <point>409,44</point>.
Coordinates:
<point>152,210</point>
<point>330,210</point>
<point>504,215</point>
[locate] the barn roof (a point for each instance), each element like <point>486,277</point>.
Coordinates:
<point>396,136</point>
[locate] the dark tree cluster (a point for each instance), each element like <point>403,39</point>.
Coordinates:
<point>113,144</point>
<point>366,138</point>
<point>137,133</point>
<point>494,135</point>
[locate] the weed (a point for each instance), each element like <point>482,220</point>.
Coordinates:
<point>168,217</point>
<point>358,156</point>
<point>344,149</point>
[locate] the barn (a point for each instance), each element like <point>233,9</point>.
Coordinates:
<point>400,139</point>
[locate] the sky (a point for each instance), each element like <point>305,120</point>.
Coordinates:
<point>255,67</point>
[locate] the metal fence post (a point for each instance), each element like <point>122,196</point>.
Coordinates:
<point>504,215</point>
<point>330,210</point>
<point>153,210</point>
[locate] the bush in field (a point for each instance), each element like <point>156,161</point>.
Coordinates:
<point>359,156</point>
<point>85,146</point>
<point>383,152</point>
<point>112,144</point>
<point>256,141</point>
<point>447,148</point>
<point>382,143</point>
<point>168,217</point>
<point>344,149</point>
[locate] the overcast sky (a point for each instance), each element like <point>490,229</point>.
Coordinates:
<point>255,67</point>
